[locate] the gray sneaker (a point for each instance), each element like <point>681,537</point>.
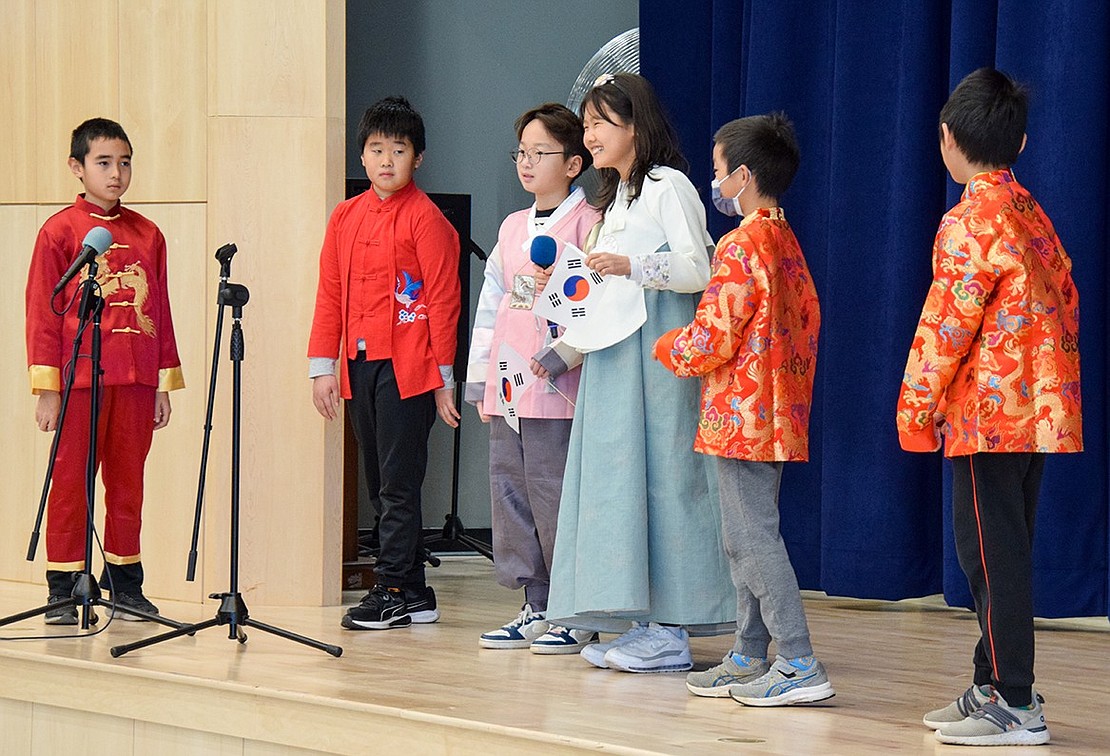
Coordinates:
<point>957,711</point>
<point>996,723</point>
<point>716,682</point>
<point>785,684</point>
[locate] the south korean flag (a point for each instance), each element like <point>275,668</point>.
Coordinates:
<point>572,293</point>
<point>513,378</point>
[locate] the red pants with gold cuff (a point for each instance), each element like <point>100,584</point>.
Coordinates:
<point>123,441</point>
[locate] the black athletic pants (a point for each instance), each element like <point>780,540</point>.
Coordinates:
<point>392,437</point>
<point>994,505</point>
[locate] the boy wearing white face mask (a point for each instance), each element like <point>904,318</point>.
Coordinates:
<point>754,343</point>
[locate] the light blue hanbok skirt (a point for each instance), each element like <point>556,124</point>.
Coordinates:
<point>639,533</point>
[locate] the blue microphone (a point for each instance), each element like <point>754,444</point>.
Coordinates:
<point>543,253</point>
<point>96,242</point>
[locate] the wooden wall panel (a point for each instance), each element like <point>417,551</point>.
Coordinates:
<point>164,740</point>
<point>15,724</point>
<point>290,529</point>
<point>335,78</point>
<point>177,75</point>
<point>163,97</point>
<point>23,476</point>
<point>172,467</point>
<point>58,730</point>
<point>18,116</point>
<point>270,63</point>
<point>77,77</point>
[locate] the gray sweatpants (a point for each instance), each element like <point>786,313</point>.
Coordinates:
<point>526,481</point>
<point>768,604</point>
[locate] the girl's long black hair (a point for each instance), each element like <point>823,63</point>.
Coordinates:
<point>631,99</point>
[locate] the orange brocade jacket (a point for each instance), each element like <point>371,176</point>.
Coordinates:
<point>997,347</point>
<point>754,341</point>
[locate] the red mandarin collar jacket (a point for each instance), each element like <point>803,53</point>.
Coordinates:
<point>997,346</point>
<point>389,276</point>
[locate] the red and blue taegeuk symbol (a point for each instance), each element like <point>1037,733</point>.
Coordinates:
<point>576,288</point>
<point>507,390</point>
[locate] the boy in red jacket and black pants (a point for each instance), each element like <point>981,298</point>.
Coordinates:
<point>387,306</point>
<point>995,363</point>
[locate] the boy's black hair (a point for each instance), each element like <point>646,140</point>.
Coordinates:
<point>767,145</point>
<point>986,115</point>
<point>94,128</point>
<point>392,117</point>
<point>563,125</point>
<point>631,99</point>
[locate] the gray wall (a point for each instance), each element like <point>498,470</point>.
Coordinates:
<point>470,67</point>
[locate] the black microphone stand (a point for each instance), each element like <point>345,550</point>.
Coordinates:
<point>233,610</point>
<point>453,531</point>
<point>86,591</point>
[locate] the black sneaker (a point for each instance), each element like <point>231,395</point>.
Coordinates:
<point>380,609</point>
<point>121,602</point>
<point>65,615</point>
<point>421,604</point>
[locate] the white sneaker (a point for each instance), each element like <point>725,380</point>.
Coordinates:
<point>563,640</point>
<point>595,653</point>
<point>519,633</point>
<point>660,649</point>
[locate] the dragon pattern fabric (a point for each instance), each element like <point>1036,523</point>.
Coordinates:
<point>139,346</point>
<point>996,352</point>
<point>754,342</point>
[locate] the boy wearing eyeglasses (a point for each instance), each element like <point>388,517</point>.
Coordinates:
<point>526,468</point>
<point>387,309</point>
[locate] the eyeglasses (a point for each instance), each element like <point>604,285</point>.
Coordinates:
<point>534,156</point>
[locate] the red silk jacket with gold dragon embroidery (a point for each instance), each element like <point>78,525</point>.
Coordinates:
<point>997,346</point>
<point>754,341</point>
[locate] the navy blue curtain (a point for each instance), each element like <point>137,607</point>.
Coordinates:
<point>864,83</point>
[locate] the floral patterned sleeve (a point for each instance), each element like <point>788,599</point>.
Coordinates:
<point>729,301</point>
<point>963,279</point>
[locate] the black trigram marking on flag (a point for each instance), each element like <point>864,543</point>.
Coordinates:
<point>574,263</point>
<point>596,277</point>
<point>510,411</point>
<point>555,299</point>
<point>518,379</point>
<point>502,365</point>
<point>578,312</point>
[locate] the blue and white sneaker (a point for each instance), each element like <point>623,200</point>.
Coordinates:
<point>519,633</point>
<point>595,652</point>
<point>563,640</point>
<point>997,723</point>
<point>657,649</point>
<point>801,680</point>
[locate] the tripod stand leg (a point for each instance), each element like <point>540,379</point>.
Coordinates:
<point>281,633</point>
<point>39,611</point>
<point>118,651</point>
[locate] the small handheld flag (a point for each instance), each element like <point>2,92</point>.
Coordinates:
<point>573,291</point>
<point>513,378</point>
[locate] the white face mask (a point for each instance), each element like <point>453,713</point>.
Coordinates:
<point>730,206</point>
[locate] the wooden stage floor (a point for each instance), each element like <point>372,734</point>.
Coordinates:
<point>430,689</point>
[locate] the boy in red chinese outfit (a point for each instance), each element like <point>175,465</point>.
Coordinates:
<point>387,306</point>
<point>138,359</point>
<point>754,343</point>
<point>994,366</point>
